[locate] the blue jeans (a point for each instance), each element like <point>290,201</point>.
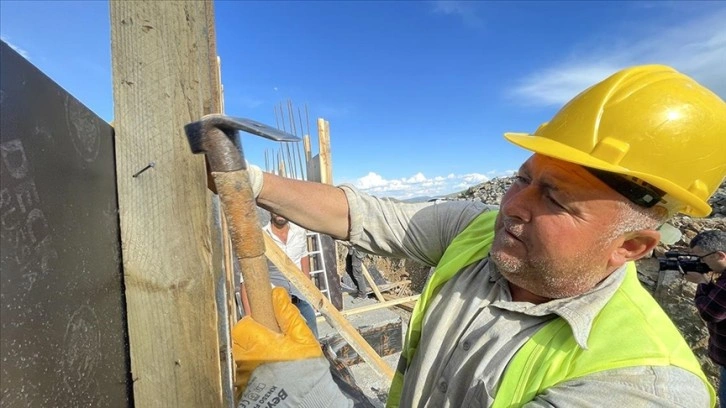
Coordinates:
<point>721,392</point>
<point>308,313</point>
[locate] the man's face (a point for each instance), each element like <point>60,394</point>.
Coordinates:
<point>278,220</point>
<point>554,230</point>
<point>716,261</point>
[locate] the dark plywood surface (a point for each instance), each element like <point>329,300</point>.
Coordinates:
<point>331,269</point>
<point>63,335</point>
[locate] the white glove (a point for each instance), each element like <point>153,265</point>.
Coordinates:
<point>294,384</point>
<point>255,174</point>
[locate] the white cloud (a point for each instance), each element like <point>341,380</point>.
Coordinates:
<point>697,47</point>
<point>17,49</point>
<point>371,180</point>
<point>419,185</point>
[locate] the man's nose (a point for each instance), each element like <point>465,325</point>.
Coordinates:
<point>518,201</point>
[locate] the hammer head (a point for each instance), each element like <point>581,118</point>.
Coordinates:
<point>217,136</point>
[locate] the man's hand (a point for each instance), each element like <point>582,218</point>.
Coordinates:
<point>254,173</point>
<point>696,277</point>
<point>254,344</point>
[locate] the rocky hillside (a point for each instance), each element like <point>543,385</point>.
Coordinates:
<point>674,295</point>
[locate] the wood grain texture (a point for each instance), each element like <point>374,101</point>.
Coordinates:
<point>244,228</point>
<point>326,160</point>
<point>162,80</point>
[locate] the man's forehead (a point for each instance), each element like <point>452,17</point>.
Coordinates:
<point>562,174</point>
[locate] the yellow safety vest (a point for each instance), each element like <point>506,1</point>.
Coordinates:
<point>631,330</point>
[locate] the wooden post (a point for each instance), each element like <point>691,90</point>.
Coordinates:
<point>306,147</point>
<point>163,78</point>
<point>326,163</point>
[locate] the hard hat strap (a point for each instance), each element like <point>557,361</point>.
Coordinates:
<point>635,190</point>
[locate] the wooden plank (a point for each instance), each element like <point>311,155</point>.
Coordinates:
<point>385,339</point>
<point>326,162</point>
<point>321,303</point>
<point>386,303</point>
<point>226,315</point>
<point>324,170</point>
<point>407,306</point>
<point>306,147</point>
<point>371,283</point>
<point>162,80</point>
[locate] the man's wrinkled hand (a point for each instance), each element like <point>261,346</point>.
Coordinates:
<point>254,344</point>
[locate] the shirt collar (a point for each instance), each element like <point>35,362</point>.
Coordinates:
<point>578,311</point>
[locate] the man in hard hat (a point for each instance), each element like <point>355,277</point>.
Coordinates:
<point>537,302</point>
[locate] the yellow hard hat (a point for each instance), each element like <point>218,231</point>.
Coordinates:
<point>650,123</point>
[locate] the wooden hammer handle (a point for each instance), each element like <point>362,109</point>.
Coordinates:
<point>240,209</point>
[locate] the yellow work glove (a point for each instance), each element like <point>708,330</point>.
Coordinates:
<point>254,344</point>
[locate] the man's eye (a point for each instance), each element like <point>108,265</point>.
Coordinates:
<point>521,179</point>
<point>555,202</point>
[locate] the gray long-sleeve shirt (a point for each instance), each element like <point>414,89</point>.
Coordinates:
<point>473,328</point>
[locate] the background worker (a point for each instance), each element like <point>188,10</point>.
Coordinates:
<point>710,247</point>
<point>292,239</point>
<point>538,303</point>
<point>354,269</point>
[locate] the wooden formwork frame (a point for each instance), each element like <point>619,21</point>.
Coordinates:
<point>171,259</point>
<point>176,253</point>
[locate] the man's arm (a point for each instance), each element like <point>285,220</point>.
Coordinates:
<point>711,300</point>
<point>314,206</point>
<point>642,386</point>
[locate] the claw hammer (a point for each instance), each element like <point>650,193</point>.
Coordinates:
<point>217,136</point>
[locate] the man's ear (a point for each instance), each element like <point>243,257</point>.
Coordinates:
<point>634,245</point>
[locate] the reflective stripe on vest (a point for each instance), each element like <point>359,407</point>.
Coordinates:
<point>646,334</point>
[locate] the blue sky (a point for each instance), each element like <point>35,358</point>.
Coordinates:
<point>418,94</point>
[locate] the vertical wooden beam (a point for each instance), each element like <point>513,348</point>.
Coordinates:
<point>320,169</point>
<point>326,164</point>
<point>163,78</point>
<point>306,147</point>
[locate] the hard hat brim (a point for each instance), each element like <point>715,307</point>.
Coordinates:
<point>557,150</point>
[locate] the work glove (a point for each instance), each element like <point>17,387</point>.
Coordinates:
<point>254,173</point>
<point>254,344</point>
